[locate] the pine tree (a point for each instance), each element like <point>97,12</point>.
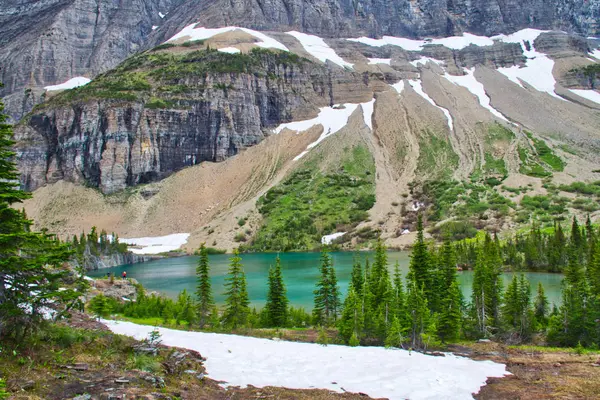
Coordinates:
<point>205,302</point>
<point>326,300</point>
<point>418,313</point>
<point>357,278</point>
<point>27,259</point>
<point>277,302</point>
<point>237,303</point>
<point>351,321</point>
<point>420,261</point>
<point>394,336</point>
<point>449,321</point>
<point>541,306</point>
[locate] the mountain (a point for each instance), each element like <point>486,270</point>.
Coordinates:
<point>241,131</point>
<point>48,42</point>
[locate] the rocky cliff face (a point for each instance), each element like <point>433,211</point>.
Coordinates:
<point>407,18</point>
<point>201,106</point>
<point>48,42</point>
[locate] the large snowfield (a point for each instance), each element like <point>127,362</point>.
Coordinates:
<point>70,84</point>
<point>157,244</point>
<point>378,372</point>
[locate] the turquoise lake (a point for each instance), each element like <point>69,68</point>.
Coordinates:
<point>300,270</point>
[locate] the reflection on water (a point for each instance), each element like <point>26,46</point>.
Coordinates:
<point>300,270</point>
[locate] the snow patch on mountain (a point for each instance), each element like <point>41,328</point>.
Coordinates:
<point>399,87</point>
<point>202,33</point>
<point>425,60</point>
<point>387,61</point>
<point>474,86</point>
<point>331,118</point>
<point>368,108</point>
<point>320,50</point>
<point>452,42</point>
<point>230,50</point>
<point>538,67</point>
<point>589,94</point>
<point>70,84</point>
<point>595,54</point>
<point>328,239</point>
<point>418,87</point>
<point>156,244</point>
<point>375,371</point>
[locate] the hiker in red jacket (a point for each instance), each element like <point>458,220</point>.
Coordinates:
<point>124,275</point>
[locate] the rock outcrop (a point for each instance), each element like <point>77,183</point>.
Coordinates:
<point>48,42</point>
<point>146,133</point>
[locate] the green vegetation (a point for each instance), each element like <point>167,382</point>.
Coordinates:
<point>205,301</point>
<point>436,157</point>
<point>582,188</point>
<point>530,166</point>
<point>327,294</point>
<point>158,77</point>
<point>27,259</point>
<point>546,154</point>
<point>276,308</point>
<point>311,203</point>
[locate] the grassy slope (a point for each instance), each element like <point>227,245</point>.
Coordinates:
<point>314,202</point>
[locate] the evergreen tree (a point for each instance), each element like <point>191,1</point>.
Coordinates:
<point>541,306</point>
<point>326,300</point>
<point>450,316</point>
<point>516,310</point>
<point>418,313</point>
<point>277,302</point>
<point>205,302</point>
<point>420,261</point>
<point>27,259</point>
<point>351,321</point>
<point>394,336</point>
<point>237,303</point>
<point>357,278</point>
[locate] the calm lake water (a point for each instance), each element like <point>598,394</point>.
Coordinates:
<point>300,271</point>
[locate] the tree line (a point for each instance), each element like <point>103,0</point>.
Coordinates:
<point>426,307</point>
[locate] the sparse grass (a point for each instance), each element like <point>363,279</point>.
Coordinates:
<point>437,158</point>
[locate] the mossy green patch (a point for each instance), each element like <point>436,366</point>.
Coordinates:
<point>312,203</point>
<point>437,159</point>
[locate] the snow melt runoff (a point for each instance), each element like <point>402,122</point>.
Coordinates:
<point>376,371</point>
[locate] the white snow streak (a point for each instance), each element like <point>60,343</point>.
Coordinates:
<point>376,371</point>
<point>161,15</point>
<point>327,239</point>
<point>596,54</point>
<point>425,60</point>
<point>204,33</point>
<point>331,118</point>
<point>368,112</point>
<point>320,50</point>
<point>399,87</point>
<point>154,27</point>
<point>470,82</point>
<point>70,84</point>
<point>230,50</point>
<point>538,67</point>
<point>387,61</point>
<point>588,94</point>
<point>453,42</point>
<point>418,87</point>
<point>157,244</point>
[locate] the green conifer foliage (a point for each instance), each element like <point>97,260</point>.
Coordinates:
<point>204,297</point>
<point>326,294</point>
<point>27,259</point>
<point>277,301</point>
<point>237,303</point>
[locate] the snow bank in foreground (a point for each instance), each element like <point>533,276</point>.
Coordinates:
<point>157,244</point>
<point>418,87</point>
<point>378,372</point>
<point>474,86</point>
<point>320,50</point>
<point>327,239</point>
<point>588,94</point>
<point>331,118</point>
<point>205,33</point>
<point>70,84</point>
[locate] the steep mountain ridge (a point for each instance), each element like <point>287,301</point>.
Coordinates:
<point>477,131</point>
